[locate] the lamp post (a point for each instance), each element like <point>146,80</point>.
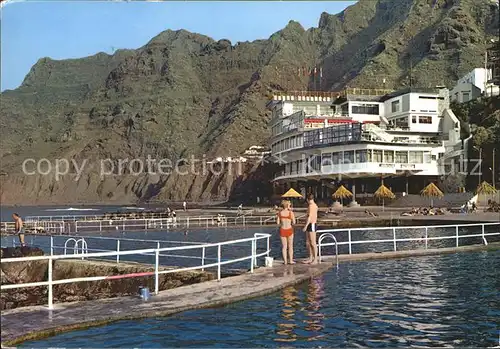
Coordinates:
<point>493,169</point>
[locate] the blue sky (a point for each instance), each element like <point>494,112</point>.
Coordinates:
<point>70,29</point>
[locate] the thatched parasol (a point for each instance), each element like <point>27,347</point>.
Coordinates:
<point>384,193</point>
<point>432,191</point>
<point>292,193</point>
<point>342,193</point>
<point>485,188</point>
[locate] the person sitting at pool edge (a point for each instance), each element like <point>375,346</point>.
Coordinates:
<point>286,220</point>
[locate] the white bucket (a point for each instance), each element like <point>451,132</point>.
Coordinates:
<point>269,261</point>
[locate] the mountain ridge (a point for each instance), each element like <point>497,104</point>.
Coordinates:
<point>185,94</point>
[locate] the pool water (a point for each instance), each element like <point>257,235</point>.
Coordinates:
<point>432,301</point>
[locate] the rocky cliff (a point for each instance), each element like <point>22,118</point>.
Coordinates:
<point>184,95</point>
<point>36,271</point>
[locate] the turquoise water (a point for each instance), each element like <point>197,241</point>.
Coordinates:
<point>434,301</point>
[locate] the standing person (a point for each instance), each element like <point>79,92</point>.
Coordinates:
<point>286,220</point>
<point>19,228</point>
<point>310,230</point>
<point>184,205</point>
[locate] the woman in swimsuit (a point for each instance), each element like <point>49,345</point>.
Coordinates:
<point>286,220</point>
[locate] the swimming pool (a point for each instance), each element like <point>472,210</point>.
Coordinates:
<point>447,300</point>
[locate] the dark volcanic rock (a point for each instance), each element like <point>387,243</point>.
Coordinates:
<point>24,272</point>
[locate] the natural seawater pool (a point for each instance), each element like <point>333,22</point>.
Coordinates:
<point>432,301</point>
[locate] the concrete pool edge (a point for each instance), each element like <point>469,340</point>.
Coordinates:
<point>273,279</point>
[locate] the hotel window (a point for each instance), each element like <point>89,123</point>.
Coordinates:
<point>425,119</point>
<point>413,119</point>
<point>369,155</point>
<point>416,157</point>
<point>326,159</point>
<point>395,106</point>
<point>349,157</point>
<point>371,109</point>
<point>402,157</point>
<point>361,156</point>
<point>336,158</point>
<point>401,122</point>
<point>377,156</point>
<point>427,158</point>
<point>388,156</point>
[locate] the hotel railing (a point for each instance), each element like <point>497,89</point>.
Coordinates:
<point>157,252</point>
<point>393,233</point>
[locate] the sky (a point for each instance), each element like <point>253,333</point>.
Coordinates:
<point>31,30</point>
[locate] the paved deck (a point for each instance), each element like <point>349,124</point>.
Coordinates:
<point>36,322</point>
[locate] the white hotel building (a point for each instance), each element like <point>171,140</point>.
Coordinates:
<point>359,136</point>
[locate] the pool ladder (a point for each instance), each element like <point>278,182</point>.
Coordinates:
<point>321,238</point>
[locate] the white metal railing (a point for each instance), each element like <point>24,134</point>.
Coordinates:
<point>86,224</point>
<point>156,251</point>
<point>46,225</point>
<point>117,242</point>
<point>423,232</point>
<point>114,217</point>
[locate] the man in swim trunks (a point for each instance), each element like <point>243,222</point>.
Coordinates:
<point>310,230</point>
<point>19,228</point>
<point>286,220</point>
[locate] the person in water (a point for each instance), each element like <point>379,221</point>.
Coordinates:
<point>286,220</point>
<point>19,228</point>
<point>310,230</point>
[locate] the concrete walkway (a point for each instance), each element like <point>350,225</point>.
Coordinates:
<point>37,322</point>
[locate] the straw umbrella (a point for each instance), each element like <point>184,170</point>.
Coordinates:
<point>486,188</point>
<point>291,194</point>
<point>384,193</point>
<point>342,193</point>
<point>432,191</point>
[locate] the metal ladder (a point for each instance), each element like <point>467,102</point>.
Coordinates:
<point>321,238</point>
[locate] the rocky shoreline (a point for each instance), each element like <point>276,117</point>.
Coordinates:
<point>36,271</point>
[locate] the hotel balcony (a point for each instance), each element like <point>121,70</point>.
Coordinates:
<point>357,133</point>
<point>366,169</point>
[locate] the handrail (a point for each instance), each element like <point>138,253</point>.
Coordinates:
<point>99,223</point>
<point>84,246</point>
<point>424,237</point>
<point>329,235</point>
<point>156,251</point>
<point>66,244</point>
<point>407,227</point>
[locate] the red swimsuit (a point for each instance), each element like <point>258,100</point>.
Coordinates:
<point>286,232</point>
